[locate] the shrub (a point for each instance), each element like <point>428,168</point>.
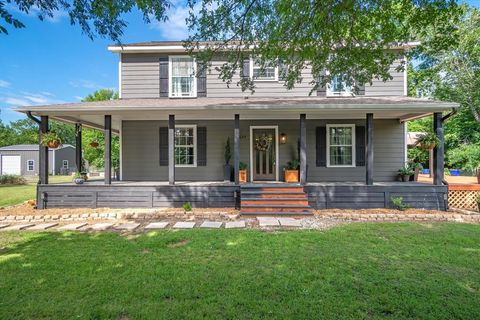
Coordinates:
<point>243,166</point>
<point>12,179</point>
<point>405,171</point>
<point>397,203</point>
<point>293,164</point>
<point>187,207</point>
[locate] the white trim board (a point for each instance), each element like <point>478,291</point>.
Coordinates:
<point>277,153</point>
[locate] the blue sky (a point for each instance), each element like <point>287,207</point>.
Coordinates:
<point>53,62</point>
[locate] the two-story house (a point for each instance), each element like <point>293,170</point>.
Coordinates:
<point>174,126</point>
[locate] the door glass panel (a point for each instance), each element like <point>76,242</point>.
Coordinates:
<point>264,154</point>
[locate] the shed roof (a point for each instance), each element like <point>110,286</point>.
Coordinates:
<point>29,147</point>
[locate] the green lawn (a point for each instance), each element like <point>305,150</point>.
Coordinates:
<point>12,195</point>
<point>356,271</point>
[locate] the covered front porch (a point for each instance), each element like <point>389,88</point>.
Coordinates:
<point>151,174</point>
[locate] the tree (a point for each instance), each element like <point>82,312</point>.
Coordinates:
<point>95,17</point>
<point>353,38</point>
<point>95,155</point>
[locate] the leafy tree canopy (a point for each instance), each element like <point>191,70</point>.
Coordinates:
<point>344,37</point>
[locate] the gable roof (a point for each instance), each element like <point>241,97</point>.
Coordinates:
<point>30,147</point>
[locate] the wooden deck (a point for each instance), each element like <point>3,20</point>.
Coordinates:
<point>135,194</point>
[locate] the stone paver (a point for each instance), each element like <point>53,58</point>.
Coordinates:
<point>42,226</point>
<point>4,225</point>
<point>156,225</point>
<point>127,226</point>
<point>235,224</point>
<point>17,227</point>
<point>101,226</point>
<point>184,225</point>
<point>211,224</point>
<point>268,222</point>
<point>72,226</point>
<point>289,222</point>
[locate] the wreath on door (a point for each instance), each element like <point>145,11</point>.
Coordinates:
<point>263,143</point>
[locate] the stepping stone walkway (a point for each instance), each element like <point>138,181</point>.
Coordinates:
<point>4,225</point>
<point>211,224</point>
<point>289,222</point>
<point>156,225</point>
<point>101,226</point>
<point>268,222</point>
<point>17,227</point>
<point>42,226</point>
<point>128,226</point>
<point>235,224</point>
<point>72,226</point>
<point>184,225</point>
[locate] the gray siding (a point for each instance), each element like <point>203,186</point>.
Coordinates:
<point>140,78</point>
<point>140,150</point>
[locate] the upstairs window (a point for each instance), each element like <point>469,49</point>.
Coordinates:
<point>338,86</point>
<point>30,165</point>
<point>182,82</point>
<point>340,145</point>
<point>259,74</point>
<point>185,146</point>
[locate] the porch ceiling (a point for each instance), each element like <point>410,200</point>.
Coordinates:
<point>91,113</point>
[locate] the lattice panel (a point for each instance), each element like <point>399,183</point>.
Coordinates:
<point>463,199</point>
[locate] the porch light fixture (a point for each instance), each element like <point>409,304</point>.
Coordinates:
<point>283,138</point>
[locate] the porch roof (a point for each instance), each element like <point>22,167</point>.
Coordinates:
<point>388,107</point>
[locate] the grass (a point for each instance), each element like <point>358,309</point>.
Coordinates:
<point>356,271</point>
<point>15,194</point>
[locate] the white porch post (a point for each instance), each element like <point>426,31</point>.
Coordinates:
<point>303,149</point>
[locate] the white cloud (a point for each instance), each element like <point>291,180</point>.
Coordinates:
<point>23,99</point>
<point>78,97</point>
<point>4,84</point>
<point>175,28</point>
<point>85,84</point>
<point>34,11</point>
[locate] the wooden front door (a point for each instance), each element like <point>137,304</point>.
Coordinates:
<point>264,154</point>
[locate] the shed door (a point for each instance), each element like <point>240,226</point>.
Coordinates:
<point>11,165</point>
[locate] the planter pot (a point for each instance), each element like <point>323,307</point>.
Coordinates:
<point>291,175</point>
<point>427,146</point>
<point>242,176</point>
<point>415,175</point>
<point>426,171</point>
<point>405,178</point>
<point>94,144</point>
<point>226,172</point>
<point>454,172</point>
<point>78,180</point>
<point>53,144</point>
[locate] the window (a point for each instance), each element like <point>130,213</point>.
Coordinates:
<point>186,146</point>
<point>30,165</point>
<point>338,87</point>
<point>340,145</point>
<point>259,74</point>
<point>182,82</point>
<point>65,164</point>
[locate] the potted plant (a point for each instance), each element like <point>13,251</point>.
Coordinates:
<point>291,172</point>
<point>94,144</point>
<point>427,140</point>
<point>227,155</point>
<point>51,140</point>
<point>242,175</point>
<point>416,167</point>
<point>78,178</point>
<point>405,173</point>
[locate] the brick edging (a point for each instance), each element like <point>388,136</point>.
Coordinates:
<point>388,217</point>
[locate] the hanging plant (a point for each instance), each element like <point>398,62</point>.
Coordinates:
<point>51,140</point>
<point>427,141</point>
<point>94,144</point>
<point>263,143</point>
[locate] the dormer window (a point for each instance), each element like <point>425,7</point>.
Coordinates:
<point>182,80</point>
<point>267,74</point>
<point>338,87</point>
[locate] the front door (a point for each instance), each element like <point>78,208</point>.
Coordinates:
<point>264,154</point>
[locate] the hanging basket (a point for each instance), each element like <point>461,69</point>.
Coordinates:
<point>53,144</point>
<point>94,144</point>
<point>263,143</point>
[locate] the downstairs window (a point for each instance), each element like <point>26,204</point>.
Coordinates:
<point>340,145</point>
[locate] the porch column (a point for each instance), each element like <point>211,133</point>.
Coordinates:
<point>303,149</point>
<point>108,149</point>
<point>171,149</point>
<point>438,151</point>
<point>369,149</point>
<point>43,154</point>
<point>78,146</point>
<point>236,149</point>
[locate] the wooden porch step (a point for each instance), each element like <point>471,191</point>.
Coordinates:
<point>277,213</point>
<point>275,201</point>
<point>275,208</point>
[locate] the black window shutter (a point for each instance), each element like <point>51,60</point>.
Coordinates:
<point>321,90</point>
<point>163,76</point>
<point>321,146</point>
<point>360,146</point>
<point>246,68</point>
<point>202,83</point>
<point>360,89</point>
<point>164,146</point>
<point>201,146</point>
